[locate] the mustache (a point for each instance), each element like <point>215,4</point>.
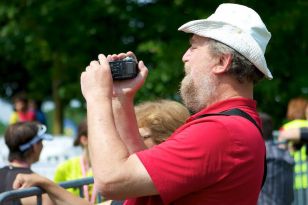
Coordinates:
<point>186,69</point>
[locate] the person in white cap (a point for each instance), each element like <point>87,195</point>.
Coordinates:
<point>24,141</point>
<point>212,159</point>
<point>217,156</point>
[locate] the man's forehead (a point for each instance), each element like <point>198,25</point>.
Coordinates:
<point>197,39</point>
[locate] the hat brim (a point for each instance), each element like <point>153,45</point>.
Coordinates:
<point>46,137</point>
<point>41,135</point>
<point>232,36</point>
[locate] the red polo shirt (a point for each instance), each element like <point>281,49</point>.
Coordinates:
<point>212,160</point>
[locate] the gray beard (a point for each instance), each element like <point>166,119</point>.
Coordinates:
<point>196,97</point>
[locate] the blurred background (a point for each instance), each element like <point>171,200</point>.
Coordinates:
<point>45,45</point>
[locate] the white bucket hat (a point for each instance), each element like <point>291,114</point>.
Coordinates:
<point>239,27</point>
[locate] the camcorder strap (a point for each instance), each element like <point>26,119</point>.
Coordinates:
<point>241,113</point>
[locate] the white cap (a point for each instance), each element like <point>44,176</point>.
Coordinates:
<point>239,27</point>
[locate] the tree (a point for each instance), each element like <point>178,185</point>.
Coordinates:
<point>53,46</point>
<point>45,45</point>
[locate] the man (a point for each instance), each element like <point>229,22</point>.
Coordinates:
<point>21,112</point>
<point>278,188</point>
<point>209,160</point>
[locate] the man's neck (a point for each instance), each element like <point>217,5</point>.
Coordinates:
<point>20,163</point>
<point>233,89</point>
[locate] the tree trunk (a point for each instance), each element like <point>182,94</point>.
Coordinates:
<point>58,112</point>
<point>56,84</point>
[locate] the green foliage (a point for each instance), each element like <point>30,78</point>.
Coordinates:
<point>2,128</point>
<point>45,43</point>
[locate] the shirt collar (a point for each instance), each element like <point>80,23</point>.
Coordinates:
<point>226,105</point>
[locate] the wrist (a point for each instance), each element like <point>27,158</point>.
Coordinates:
<point>123,96</point>
<point>44,183</point>
<point>120,101</point>
<point>97,100</point>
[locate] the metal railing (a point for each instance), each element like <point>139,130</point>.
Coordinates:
<point>300,197</point>
<point>300,191</point>
<point>36,191</point>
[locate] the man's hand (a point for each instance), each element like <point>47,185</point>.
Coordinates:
<point>96,80</point>
<point>289,135</point>
<point>97,83</point>
<point>28,180</point>
<point>128,87</point>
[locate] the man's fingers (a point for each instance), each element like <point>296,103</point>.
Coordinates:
<point>131,54</point>
<point>102,58</point>
<point>109,58</point>
<point>143,69</point>
<point>18,182</point>
<point>94,63</point>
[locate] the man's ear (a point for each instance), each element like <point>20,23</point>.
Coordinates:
<point>223,64</point>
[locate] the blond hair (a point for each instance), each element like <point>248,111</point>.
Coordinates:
<point>162,117</point>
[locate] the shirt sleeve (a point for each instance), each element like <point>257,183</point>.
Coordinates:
<point>193,159</point>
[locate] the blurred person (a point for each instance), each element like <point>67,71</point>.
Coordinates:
<point>278,187</point>
<point>298,134</point>
<point>296,116</point>
<point>78,167</point>
<point>35,106</point>
<point>294,135</point>
<point>21,111</point>
<point>56,193</point>
<point>24,141</point>
<point>297,108</point>
<point>156,121</point>
<point>213,157</point>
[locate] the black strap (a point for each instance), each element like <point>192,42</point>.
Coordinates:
<point>238,112</point>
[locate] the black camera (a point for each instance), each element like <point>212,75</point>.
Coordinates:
<point>124,69</point>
